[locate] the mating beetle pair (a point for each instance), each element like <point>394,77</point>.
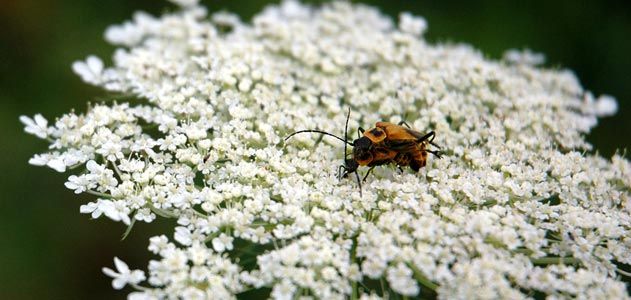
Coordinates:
<point>384,144</point>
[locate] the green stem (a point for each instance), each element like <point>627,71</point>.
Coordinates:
<point>116,170</point>
<point>354,293</point>
<point>211,236</point>
<point>99,194</point>
<point>129,227</point>
<point>383,287</point>
<point>422,279</point>
<point>161,212</point>
<point>199,214</point>
<point>555,260</point>
<point>625,273</point>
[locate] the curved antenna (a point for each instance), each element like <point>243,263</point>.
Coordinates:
<point>317,131</point>
<point>346,134</point>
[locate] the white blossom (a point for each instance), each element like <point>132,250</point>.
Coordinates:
<point>91,70</point>
<point>123,275</point>
<point>606,106</point>
<point>185,3</point>
<point>37,126</point>
<point>526,57</point>
<point>79,183</point>
<point>519,204</point>
<point>222,243</point>
<point>411,24</point>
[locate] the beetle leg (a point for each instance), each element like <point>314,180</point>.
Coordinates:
<point>359,183</point>
<point>437,153</point>
<point>339,172</point>
<point>360,132</point>
<point>367,173</point>
<point>431,141</point>
<point>429,136</point>
<point>404,123</point>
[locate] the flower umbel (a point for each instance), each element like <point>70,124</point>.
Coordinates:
<point>517,205</point>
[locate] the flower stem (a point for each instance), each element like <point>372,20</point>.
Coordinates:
<point>555,260</point>
<point>99,194</point>
<point>161,212</point>
<point>131,225</point>
<point>625,273</point>
<point>422,279</point>
<point>116,170</point>
<point>354,293</point>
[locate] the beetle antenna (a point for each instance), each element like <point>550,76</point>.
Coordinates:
<point>346,132</point>
<point>348,116</point>
<point>316,131</point>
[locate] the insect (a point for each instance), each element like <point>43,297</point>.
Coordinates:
<point>384,144</point>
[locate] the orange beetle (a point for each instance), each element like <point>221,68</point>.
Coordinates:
<point>384,144</point>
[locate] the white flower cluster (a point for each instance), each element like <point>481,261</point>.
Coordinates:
<point>516,207</point>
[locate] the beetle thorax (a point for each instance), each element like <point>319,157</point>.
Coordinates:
<point>362,150</point>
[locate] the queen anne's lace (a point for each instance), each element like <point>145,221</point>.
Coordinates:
<point>516,206</point>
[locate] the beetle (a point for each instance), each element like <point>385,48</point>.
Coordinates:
<point>386,143</point>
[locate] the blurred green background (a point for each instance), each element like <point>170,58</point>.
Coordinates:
<point>48,250</point>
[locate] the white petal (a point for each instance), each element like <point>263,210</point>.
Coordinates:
<point>27,121</point>
<point>96,213</point>
<point>36,127</point>
<point>88,208</point>
<point>136,276</point>
<point>121,266</point>
<point>95,64</point>
<point>57,164</point>
<point>139,296</point>
<point>81,69</point>
<point>125,218</point>
<point>118,283</point>
<point>218,245</point>
<point>185,3</point>
<point>183,235</point>
<point>92,166</point>
<point>71,183</point>
<point>41,121</point>
<point>39,160</point>
<point>606,106</point>
<point>109,272</point>
<point>90,71</point>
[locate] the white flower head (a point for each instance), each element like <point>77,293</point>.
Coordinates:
<point>123,275</point>
<point>58,164</point>
<point>606,106</point>
<point>79,183</point>
<point>183,235</point>
<point>116,210</point>
<point>518,202</point>
<point>37,126</point>
<point>284,291</point>
<point>90,70</point>
<point>412,24</point>
<point>185,3</point>
<point>222,243</point>
<point>526,57</point>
